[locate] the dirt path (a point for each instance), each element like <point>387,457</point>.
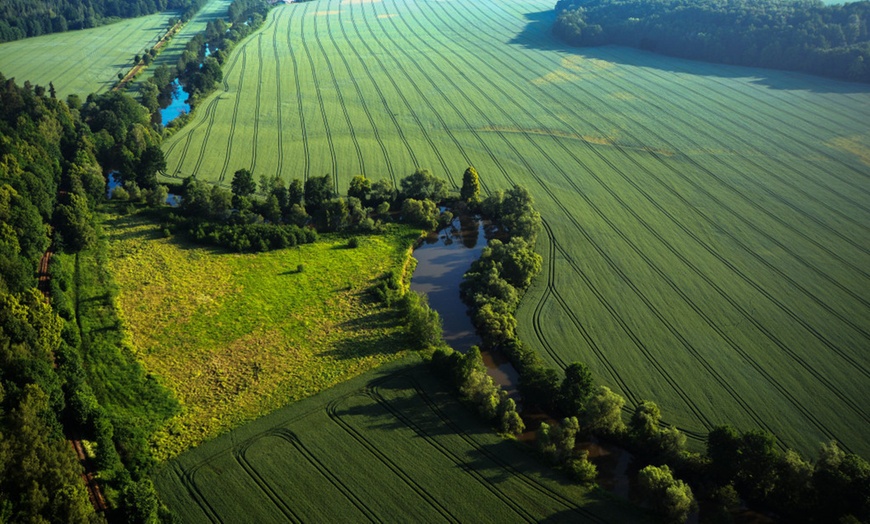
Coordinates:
<point>94,492</point>
<point>131,74</point>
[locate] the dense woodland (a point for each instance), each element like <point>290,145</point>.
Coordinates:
<point>800,35</point>
<point>26,18</point>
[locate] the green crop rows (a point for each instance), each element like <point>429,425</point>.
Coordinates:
<point>82,62</point>
<point>707,227</point>
<point>390,445</point>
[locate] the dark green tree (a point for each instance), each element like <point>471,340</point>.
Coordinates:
<point>576,389</point>
<point>318,190</point>
<point>423,185</point>
<point>360,187</point>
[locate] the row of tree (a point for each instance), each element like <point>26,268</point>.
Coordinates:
<point>27,18</point>
<point>805,35</point>
<point>51,180</point>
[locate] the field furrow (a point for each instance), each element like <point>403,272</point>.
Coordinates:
<point>707,237</point>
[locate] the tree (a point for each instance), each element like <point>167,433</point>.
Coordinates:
<point>382,191</point>
<point>576,388</point>
<point>421,213</point>
<point>671,498</point>
<point>423,185</point>
<point>360,187</point>
<point>470,191</point>
<point>318,189</point>
<point>243,183</point>
<point>603,413</point>
<point>295,192</point>
<point>74,221</point>
<point>644,423</point>
<point>150,163</point>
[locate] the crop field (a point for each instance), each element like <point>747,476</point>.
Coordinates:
<point>707,238</point>
<point>170,54</point>
<point>390,445</point>
<point>236,336</point>
<point>82,62</point>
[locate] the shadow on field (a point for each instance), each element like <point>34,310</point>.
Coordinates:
<point>536,35</point>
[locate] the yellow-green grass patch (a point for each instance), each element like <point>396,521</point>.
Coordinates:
<point>235,336</point>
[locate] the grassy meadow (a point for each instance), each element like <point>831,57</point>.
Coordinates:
<point>389,445</point>
<point>86,61</point>
<point>236,336</point>
<point>707,229</point>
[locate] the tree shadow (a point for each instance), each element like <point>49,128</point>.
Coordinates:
<point>537,35</point>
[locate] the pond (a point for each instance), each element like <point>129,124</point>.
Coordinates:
<point>442,258</point>
<point>177,104</point>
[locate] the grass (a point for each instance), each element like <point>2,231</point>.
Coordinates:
<point>237,336</point>
<point>123,387</point>
<point>387,444</point>
<point>86,61</point>
<point>707,226</point>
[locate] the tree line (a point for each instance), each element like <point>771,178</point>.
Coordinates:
<point>800,35</point>
<point>51,181</point>
<point>27,18</point>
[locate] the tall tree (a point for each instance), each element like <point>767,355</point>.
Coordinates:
<point>470,191</point>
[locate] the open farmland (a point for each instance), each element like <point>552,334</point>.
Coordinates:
<point>86,61</point>
<point>236,336</point>
<point>707,227</point>
<point>390,445</point>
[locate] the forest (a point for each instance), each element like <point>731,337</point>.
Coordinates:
<point>804,36</point>
<point>26,18</point>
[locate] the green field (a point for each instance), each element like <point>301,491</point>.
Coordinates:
<point>390,446</point>
<point>170,54</point>
<point>707,227</point>
<point>235,336</point>
<point>86,61</point>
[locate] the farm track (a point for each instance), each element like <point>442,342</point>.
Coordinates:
<point>552,290</point>
<point>256,134</point>
<point>798,359</point>
<point>263,485</point>
<point>493,457</point>
<point>641,346</point>
<point>365,106</point>
<point>375,395</point>
<point>317,89</point>
<point>209,110</point>
<point>278,100</point>
<point>324,471</point>
<point>784,347</point>
<point>423,131</point>
<point>376,85</point>
<point>749,251</point>
<point>341,103</point>
<point>229,149</point>
<point>332,412</point>
<point>188,480</point>
<point>735,108</point>
<point>303,129</point>
<point>750,224</point>
<point>694,351</point>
